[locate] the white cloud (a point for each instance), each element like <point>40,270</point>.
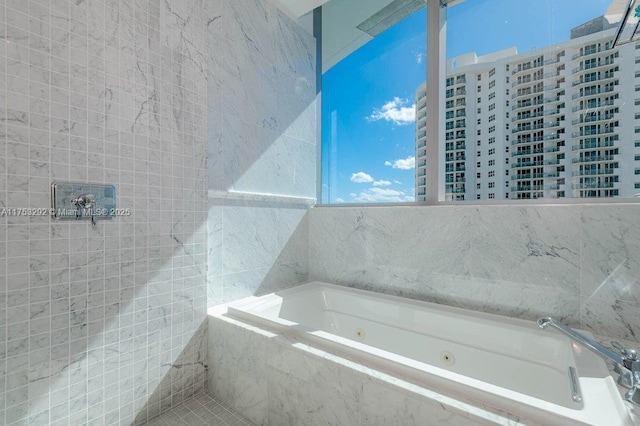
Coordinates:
<point>339,200</point>
<point>395,111</point>
<point>419,58</point>
<point>403,163</point>
<point>361,177</point>
<point>382,195</point>
<point>381,183</point>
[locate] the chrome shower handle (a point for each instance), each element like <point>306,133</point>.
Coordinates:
<point>85,201</point>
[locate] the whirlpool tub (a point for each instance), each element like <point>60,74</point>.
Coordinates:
<point>492,362</point>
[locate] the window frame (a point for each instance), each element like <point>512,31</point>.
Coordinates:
<point>435,99</point>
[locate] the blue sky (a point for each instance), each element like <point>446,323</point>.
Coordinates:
<point>367,99</point>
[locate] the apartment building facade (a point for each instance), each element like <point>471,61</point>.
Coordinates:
<point>558,122</point>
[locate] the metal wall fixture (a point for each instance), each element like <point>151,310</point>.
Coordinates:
<point>78,201</point>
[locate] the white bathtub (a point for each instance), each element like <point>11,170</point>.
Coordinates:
<point>491,361</point>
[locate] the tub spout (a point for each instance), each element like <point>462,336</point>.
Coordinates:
<point>626,362</point>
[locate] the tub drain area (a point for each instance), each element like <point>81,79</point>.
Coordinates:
<point>447,358</point>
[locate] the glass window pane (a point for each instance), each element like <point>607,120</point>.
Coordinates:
<point>374,64</point>
<point>550,105</point>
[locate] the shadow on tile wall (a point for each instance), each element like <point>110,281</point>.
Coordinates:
<point>261,148</point>
<point>579,263</point>
<point>180,382</point>
<point>91,320</point>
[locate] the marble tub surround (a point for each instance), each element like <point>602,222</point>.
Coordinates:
<point>255,247</point>
<point>261,148</point>
<point>92,321</point>
<point>578,263</point>
<point>277,381</point>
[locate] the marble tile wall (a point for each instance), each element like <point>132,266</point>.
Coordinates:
<point>580,263</point>
<point>276,381</point>
<point>92,321</point>
<point>261,148</point>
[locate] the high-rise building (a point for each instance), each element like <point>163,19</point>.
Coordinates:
<point>559,121</point>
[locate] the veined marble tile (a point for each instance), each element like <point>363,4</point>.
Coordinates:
<point>611,252</point>
<point>249,237</point>
<point>214,237</point>
<point>292,230</point>
<point>610,296</point>
<point>238,374</point>
<point>605,315</point>
<point>297,105</point>
<point>250,90</point>
<point>215,151</point>
<point>296,48</point>
<point>296,165</point>
<point>297,378</point>
<point>252,25</point>
<point>250,157</point>
<point>477,250</point>
<point>386,405</point>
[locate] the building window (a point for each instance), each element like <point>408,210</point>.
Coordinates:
<point>546,140</point>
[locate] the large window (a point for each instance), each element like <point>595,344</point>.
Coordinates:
<point>374,62</point>
<point>534,104</point>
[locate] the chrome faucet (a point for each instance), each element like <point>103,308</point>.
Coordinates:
<point>626,361</point>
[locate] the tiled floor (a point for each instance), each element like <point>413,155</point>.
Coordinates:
<point>201,410</point>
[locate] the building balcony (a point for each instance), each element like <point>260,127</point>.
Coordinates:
<point>523,188</point>
<point>598,172</point>
<point>527,176</point>
<point>604,131</point>
<point>595,185</point>
<point>455,180</point>
<point>593,105</point>
<point>591,67</point>
<point>527,152</point>
<point>599,91</point>
<point>605,78</point>
<point>522,164</point>
<point>593,119</point>
<point>594,159</point>
<point>594,145</point>
<point>590,52</point>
